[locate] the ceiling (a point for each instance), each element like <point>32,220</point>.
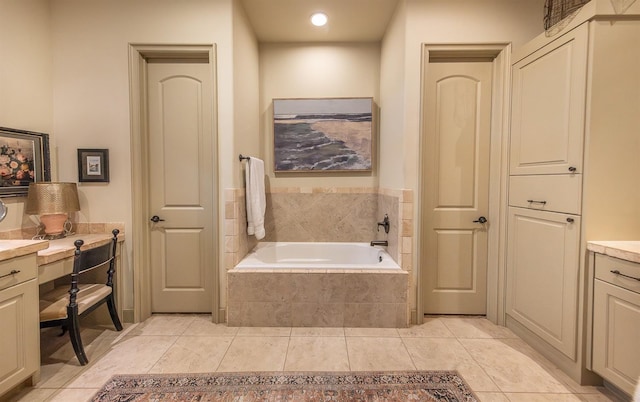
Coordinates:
<point>349,20</point>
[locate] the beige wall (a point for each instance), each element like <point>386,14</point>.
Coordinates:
<point>246,87</point>
<point>25,79</point>
<point>315,71</point>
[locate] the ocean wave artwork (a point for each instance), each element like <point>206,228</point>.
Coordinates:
<point>323,134</point>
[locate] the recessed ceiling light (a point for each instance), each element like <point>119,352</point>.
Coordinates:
<point>319,19</point>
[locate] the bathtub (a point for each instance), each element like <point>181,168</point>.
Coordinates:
<point>301,255</point>
<point>317,285</point>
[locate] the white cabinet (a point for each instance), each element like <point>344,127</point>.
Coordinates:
<point>616,321</point>
<point>573,153</point>
<point>20,346</point>
<point>543,275</point>
<point>548,107</point>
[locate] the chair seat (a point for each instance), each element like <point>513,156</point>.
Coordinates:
<point>53,304</point>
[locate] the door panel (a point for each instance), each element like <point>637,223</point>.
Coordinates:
<point>457,128</point>
<point>542,274</point>
<point>181,185</point>
<point>550,83</point>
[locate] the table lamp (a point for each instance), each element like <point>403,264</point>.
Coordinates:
<point>52,201</point>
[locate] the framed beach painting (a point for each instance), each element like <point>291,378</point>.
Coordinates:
<point>24,159</point>
<point>324,134</point>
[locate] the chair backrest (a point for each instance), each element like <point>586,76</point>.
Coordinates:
<point>86,260</point>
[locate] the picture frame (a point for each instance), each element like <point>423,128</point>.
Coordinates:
<point>93,165</point>
<point>24,159</point>
<point>323,135</point>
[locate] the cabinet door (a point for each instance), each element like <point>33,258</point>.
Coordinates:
<point>542,274</point>
<point>616,332</point>
<point>548,106</point>
<point>20,346</point>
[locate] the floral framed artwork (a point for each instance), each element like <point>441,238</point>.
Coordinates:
<point>324,134</point>
<point>93,165</point>
<point>24,159</point>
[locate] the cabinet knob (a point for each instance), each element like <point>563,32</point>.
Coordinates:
<point>570,220</point>
<point>572,169</point>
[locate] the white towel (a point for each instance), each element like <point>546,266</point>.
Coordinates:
<point>256,202</point>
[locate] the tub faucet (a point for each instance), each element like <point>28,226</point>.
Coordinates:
<point>379,243</point>
<point>385,224</point>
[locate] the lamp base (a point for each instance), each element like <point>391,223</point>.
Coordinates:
<point>54,224</point>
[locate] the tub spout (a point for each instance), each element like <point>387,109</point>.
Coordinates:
<point>379,243</point>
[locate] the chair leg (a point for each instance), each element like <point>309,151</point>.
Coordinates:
<point>111,304</point>
<point>76,341</point>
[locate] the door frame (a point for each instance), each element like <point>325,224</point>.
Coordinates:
<point>500,55</point>
<point>138,56</point>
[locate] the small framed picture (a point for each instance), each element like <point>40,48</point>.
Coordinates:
<point>93,165</point>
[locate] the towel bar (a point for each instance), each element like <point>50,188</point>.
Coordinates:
<point>241,158</point>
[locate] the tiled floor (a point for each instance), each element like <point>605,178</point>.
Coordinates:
<point>495,363</point>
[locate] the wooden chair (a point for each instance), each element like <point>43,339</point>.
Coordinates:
<point>63,305</point>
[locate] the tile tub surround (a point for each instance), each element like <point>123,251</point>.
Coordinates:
<point>355,210</point>
<point>317,298</point>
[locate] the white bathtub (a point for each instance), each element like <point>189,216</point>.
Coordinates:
<point>302,255</point>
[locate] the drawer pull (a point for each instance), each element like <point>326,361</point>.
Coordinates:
<point>572,169</point>
<point>536,202</point>
<point>615,271</point>
<point>13,272</point>
<point>570,220</point>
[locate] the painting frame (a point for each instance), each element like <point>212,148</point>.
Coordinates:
<point>24,159</point>
<point>323,135</point>
<point>93,165</point>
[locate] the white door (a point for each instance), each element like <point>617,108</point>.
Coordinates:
<point>181,182</point>
<point>457,127</point>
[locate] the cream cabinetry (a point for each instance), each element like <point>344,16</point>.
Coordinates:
<point>616,321</point>
<point>543,261</point>
<point>548,107</point>
<point>20,346</point>
<point>573,165</point>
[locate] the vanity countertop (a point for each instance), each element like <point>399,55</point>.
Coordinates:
<point>62,248</point>
<point>17,248</point>
<point>624,250</point>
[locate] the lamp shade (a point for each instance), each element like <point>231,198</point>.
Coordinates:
<point>52,198</point>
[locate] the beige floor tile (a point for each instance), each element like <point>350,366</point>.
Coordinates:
<point>541,397</point>
<point>431,328</point>
<point>202,326</point>
<point>30,395</point>
<point>448,354</point>
<point>132,356</point>
<point>253,353</point>
<point>264,331</point>
<point>74,395</point>
<point>476,327</point>
<point>315,353</point>
<point>308,331</point>
<point>491,397</point>
<point>368,353</point>
<point>373,332</point>
<point>193,354</point>
<point>164,324</point>
<point>511,370</point>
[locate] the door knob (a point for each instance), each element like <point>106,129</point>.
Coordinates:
<point>156,219</point>
<point>481,219</point>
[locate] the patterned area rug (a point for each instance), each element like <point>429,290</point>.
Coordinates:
<point>289,386</point>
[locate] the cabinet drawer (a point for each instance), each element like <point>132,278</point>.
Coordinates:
<point>24,266</point>
<point>606,264</point>
<point>557,193</point>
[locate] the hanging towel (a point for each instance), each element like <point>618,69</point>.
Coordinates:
<point>255,197</point>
